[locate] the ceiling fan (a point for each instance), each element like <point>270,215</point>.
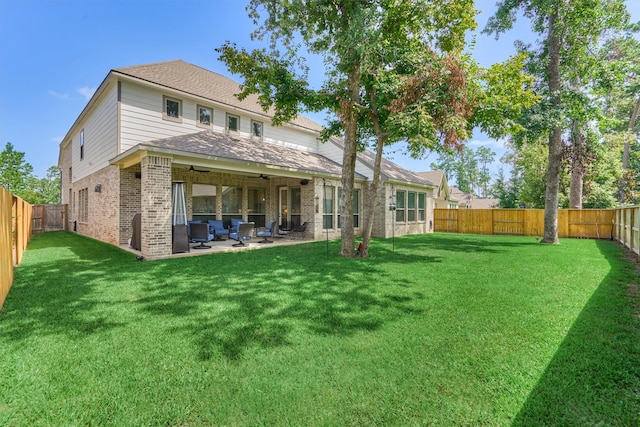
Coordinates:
<point>192,169</point>
<point>262,176</point>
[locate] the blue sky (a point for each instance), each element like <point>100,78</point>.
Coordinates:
<point>55,53</point>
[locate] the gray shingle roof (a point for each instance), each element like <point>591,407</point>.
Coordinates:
<point>197,81</point>
<point>434,177</point>
<point>389,170</point>
<point>225,146</point>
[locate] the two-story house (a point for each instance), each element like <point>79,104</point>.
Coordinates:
<point>152,130</point>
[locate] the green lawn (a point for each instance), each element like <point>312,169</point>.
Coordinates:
<point>447,330</point>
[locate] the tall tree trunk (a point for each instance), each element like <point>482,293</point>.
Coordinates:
<point>627,146</point>
<point>350,120</point>
<point>555,138</point>
<point>632,124</point>
<point>375,185</point>
<point>578,153</point>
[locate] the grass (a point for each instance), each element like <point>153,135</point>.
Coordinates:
<point>447,330</point>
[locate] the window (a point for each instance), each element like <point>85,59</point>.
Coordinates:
<point>257,206</point>
<point>70,175</point>
<point>82,144</point>
<point>356,207</point>
<point>231,204</point>
<point>400,214</point>
<point>256,129</point>
<point>233,123</point>
<point>205,117</point>
<point>203,201</point>
<point>421,207</point>
<point>328,204</point>
<point>296,205</point>
<point>83,205</point>
<point>172,109</point>
<point>411,206</point>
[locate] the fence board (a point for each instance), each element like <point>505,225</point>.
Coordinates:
<point>15,231</point>
<point>48,218</point>
<point>577,223</point>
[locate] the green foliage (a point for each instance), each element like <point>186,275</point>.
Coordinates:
<point>16,177</point>
<point>14,170</point>
<point>45,190</point>
<point>571,71</point>
<point>467,168</point>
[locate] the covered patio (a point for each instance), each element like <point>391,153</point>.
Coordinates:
<point>225,177</point>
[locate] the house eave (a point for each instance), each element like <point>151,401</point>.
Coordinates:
<point>135,155</point>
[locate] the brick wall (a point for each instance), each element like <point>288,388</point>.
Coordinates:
<point>130,200</point>
<point>156,206</point>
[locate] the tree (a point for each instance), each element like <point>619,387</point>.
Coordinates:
<point>45,190</point>
<point>484,156</point>
<point>14,170</point>
<point>382,57</point>
<point>569,29</point>
<point>395,72</point>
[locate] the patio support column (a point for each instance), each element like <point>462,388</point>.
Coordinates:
<point>156,206</point>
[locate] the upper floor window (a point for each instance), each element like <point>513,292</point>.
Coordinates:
<point>82,144</point>
<point>172,109</point>
<point>256,129</point>
<point>70,175</point>
<point>205,116</point>
<point>233,123</point>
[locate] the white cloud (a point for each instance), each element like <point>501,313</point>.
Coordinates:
<point>86,91</point>
<point>58,94</point>
<point>491,143</point>
<point>57,139</point>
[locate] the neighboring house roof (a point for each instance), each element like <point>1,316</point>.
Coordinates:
<point>473,201</point>
<point>457,194</point>
<point>432,176</point>
<point>197,81</point>
<point>485,203</point>
<point>212,145</point>
<point>439,180</point>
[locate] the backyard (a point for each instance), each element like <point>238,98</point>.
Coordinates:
<point>440,329</point>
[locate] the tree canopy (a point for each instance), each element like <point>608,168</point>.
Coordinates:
<point>395,71</point>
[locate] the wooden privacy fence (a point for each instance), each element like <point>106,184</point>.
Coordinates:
<point>626,228</point>
<point>15,232</point>
<point>579,223</point>
<point>48,218</point>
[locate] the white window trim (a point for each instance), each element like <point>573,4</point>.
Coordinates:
<point>198,123</point>
<point>226,125</point>
<point>261,130</point>
<point>165,116</point>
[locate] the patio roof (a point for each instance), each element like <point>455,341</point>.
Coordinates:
<point>222,151</point>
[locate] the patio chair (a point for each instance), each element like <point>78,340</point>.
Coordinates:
<point>218,230</point>
<point>195,221</point>
<point>244,233</point>
<point>266,232</point>
<point>285,227</point>
<point>200,233</point>
<point>234,225</point>
<point>298,230</point>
